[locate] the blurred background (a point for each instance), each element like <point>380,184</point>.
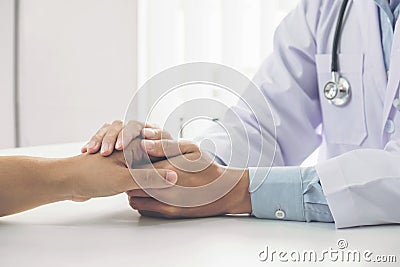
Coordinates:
<point>68,66</point>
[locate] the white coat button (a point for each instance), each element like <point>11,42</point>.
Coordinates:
<point>280,214</point>
<point>389,127</point>
<point>396,104</point>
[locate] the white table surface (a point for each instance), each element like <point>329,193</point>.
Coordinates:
<point>107,232</point>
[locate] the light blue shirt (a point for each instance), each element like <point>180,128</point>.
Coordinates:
<point>295,193</point>
<point>388,14</point>
<point>288,193</point>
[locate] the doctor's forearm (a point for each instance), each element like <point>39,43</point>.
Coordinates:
<point>26,183</point>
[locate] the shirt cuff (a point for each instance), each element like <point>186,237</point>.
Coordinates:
<point>288,193</point>
<point>277,193</point>
<point>316,207</point>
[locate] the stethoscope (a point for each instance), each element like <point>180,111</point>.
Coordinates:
<point>338,90</point>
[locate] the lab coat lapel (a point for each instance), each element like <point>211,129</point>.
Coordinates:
<point>394,75</point>
<point>370,31</point>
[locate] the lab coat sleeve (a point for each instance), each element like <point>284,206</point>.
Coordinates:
<point>282,132</point>
<point>362,186</point>
<point>292,191</point>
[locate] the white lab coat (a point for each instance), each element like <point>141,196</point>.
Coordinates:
<point>359,161</point>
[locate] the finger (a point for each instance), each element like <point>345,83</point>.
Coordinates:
<point>150,214</point>
<point>135,155</point>
<point>137,193</point>
<point>84,148</point>
<point>132,202</point>
<point>118,144</point>
<point>151,125</point>
<point>130,132</point>
<point>110,138</point>
<point>155,134</point>
<point>153,179</point>
<point>153,208</point>
<point>168,148</point>
<point>95,142</point>
<point>147,204</point>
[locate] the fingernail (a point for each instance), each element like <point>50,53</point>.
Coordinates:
<point>91,144</point>
<point>171,177</point>
<point>148,144</point>
<point>119,144</point>
<point>104,148</point>
<point>150,133</point>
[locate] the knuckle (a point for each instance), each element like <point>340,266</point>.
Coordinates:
<point>167,135</point>
<point>161,134</point>
<point>112,132</point>
<point>133,128</point>
<point>136,123</point>
<point>171,212</point>
<point>194,147</point>
<point>158,133</point>
<point>191,146</point>
<point>117,122</point>
<point>97,137</point>
<point>149,125</point>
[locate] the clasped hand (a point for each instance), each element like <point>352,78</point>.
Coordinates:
<point>203,187</point>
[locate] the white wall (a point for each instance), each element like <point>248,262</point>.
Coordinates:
<point>78,58</point>
<point>237,33</point>
<point>77,67</point>
<point>6,73</point>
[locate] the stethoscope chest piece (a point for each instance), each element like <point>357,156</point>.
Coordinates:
<point>337,91</point>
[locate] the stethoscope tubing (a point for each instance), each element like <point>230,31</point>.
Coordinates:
<point>338,90</point>
<point>338,33</point>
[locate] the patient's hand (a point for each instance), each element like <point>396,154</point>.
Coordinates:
<point>27,182</point>
<point>88,176</point>
<point>117,136</point>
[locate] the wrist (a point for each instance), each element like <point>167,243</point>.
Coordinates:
<point>59,178</point>
<point>46,179</point>
<point>240,200</point>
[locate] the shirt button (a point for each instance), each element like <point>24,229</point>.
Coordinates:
<point>280,214</point>
<point>396,104</point>
<point>389,127</point>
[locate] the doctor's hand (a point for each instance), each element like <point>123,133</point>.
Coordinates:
<point>88,176</point>
<point>117,136</point>
<point>195,171</point>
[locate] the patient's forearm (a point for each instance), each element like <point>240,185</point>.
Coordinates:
<point>27,183</point>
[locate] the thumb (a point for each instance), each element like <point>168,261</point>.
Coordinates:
<point>152,178</point>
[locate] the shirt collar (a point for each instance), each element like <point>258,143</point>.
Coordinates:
<point>394,4</point>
